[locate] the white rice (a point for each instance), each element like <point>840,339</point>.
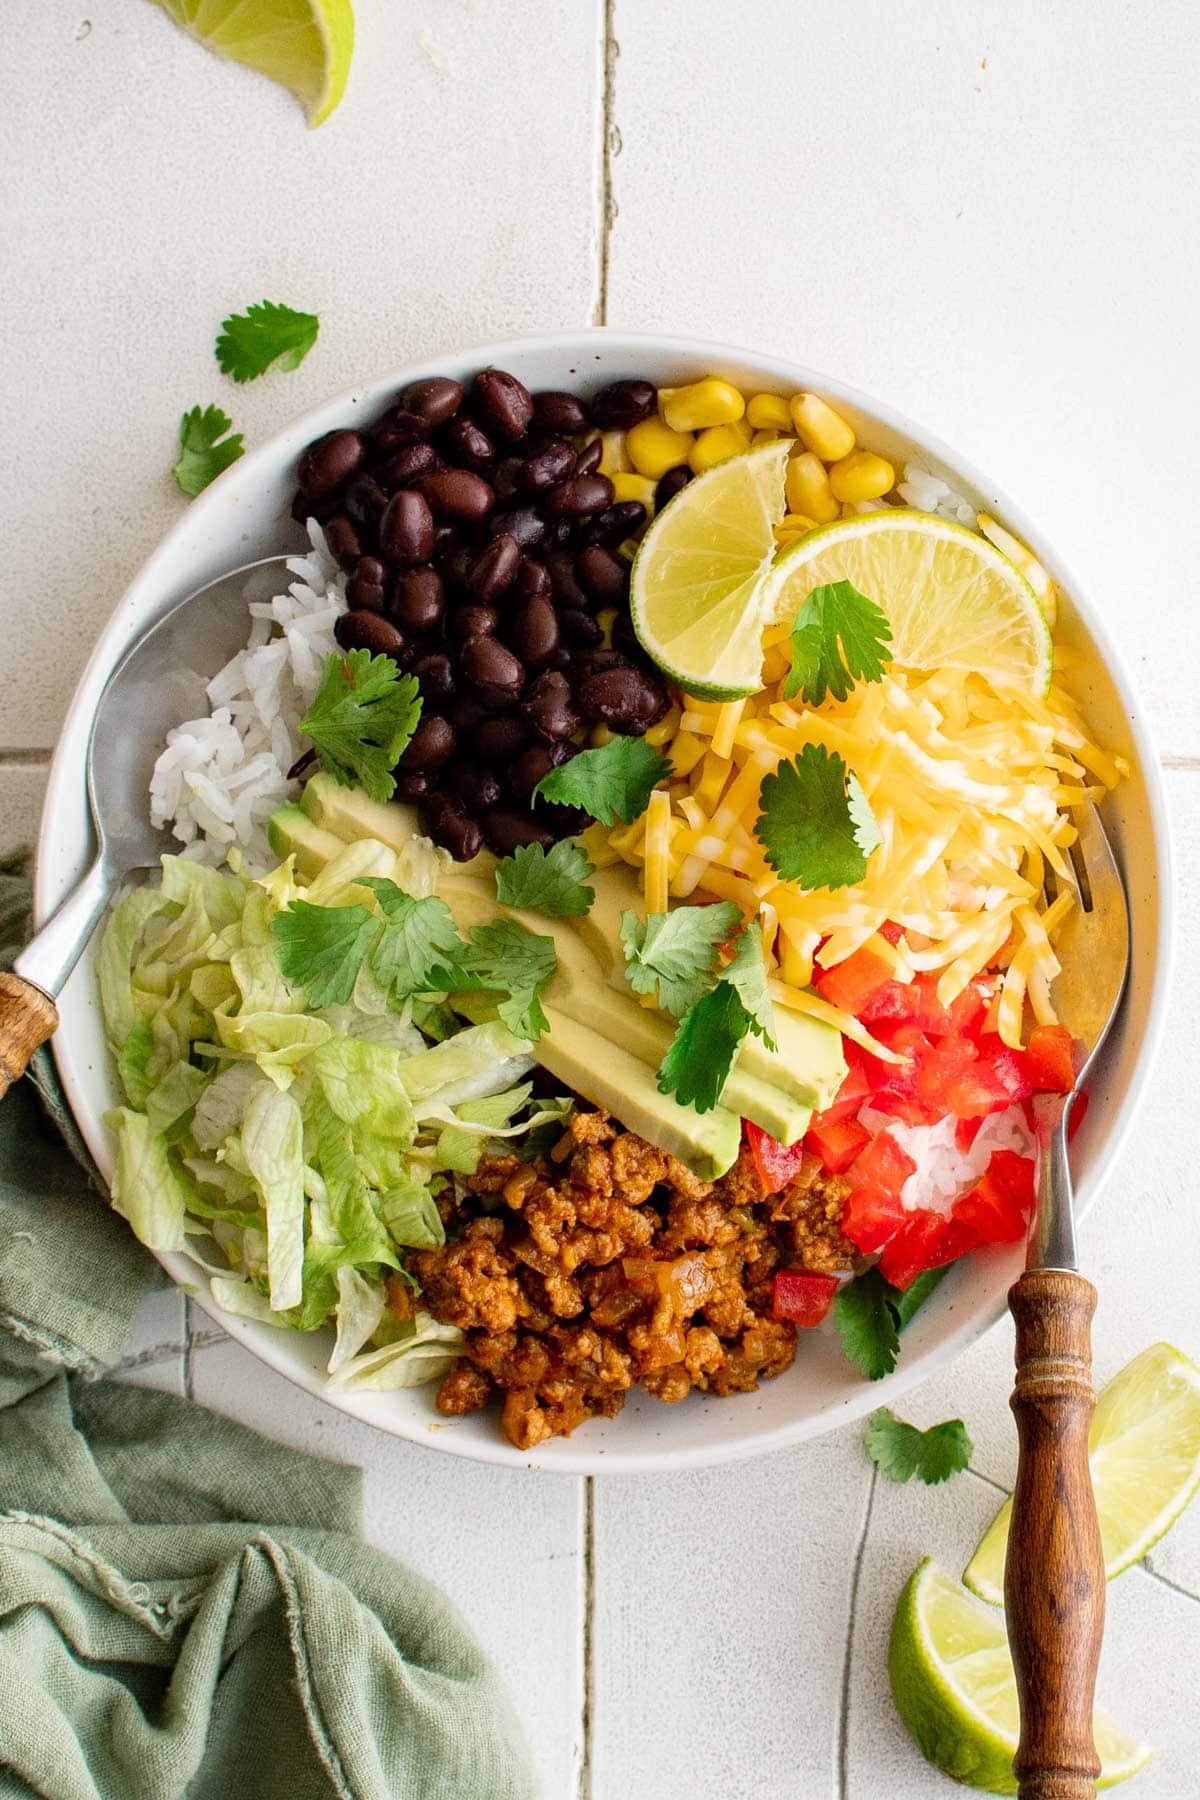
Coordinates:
<point>944,1173</point>
<point>221,777</point>
<point>929,493</point>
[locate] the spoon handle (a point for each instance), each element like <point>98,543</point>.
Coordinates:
<point>27,1018</point>
<point>1054,1576</point>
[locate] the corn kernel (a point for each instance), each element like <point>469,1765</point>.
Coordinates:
<point>614,459</point>
<point>665,730</point>
<point>796,522</point>
<point>717,444</point>
<point>628,486</point>
<point>702,403</point>
<point>862,476</point>
<point>807,488</point>
<point>654,448</point>
<point>822,430</point>
<point>769,412</point>
<point>601,735</point>
<point>606,620</point>
<point>765,436</point>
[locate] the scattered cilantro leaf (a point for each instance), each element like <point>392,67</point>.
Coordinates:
<point>204,450</point>
<point>675,953</point>
<point>839,637</point>
<point>506,958</point>
<point>419,948</point>
<point>612,783</point>
<point>815,827</point>
<point>901,1451</point>
<point>866,1322</point>
<point>361,718</point>
<point>322,948</point>
<point>264,334</point>
<point>905,1302</point>
<point>747,975</point>
<point>552,882</point>
<point>701,1053</point>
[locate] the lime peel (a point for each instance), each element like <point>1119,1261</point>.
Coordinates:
<point>304,45</point>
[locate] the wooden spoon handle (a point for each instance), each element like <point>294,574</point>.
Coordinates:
<point>1054,1576</point>
<point>27,1018</point>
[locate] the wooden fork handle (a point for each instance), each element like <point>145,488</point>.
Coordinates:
<point>27,1018</point>
<point>1054,1576</point>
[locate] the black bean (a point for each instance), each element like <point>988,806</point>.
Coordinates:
<point>627,700</point>
<point>442,818</point>
<point>548,466</point>
<point>467,712</point>
<point>533,632</point>
<point>363,595</point>
<point>506,831</point>
<point>435,677</point>
<point>455,561</point>
<point>498,740</point>
<point>434,398</point>
<point>406,528</point>
<point>590,457</point>
<point>581,494</point>
<point>547,708</point>
<point>533,577</point>
<point>330,462</point>
<point>503,403</point>
<point>466,444</point>
<point>492,670</point>
<point>399,426</point>
<point>560,413</point>
<point>670,484</point>
<point>343,541</point>
<point>457,493</point>
<point>560,533</point>
<point>418,600</point>
<point>567,591</point>
<point>509,478</point>
<point>402,469</point>
<point>603,576</point>
<point>472,622</point>
<point>524,523</point>
<point>624,403</point>
<point>369,568</point>
<point>477,788</point>
<point>579,629</point>
<point>615,524</point>
<point>363,503</point>
<point>414,784</point>
<point>494,569</point>
<point>533,764</point>
<point>432,743</point>
<point>369,631</point>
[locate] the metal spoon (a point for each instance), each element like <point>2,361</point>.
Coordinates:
<point>158,683</point>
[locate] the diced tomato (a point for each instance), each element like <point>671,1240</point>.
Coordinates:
<point>894,1085</point>
<point>926,1242</point>
<point>1078,1115</point>
<point>892,932</point>
<point>996,1079</point>
<point>947,1060</point>
<point>870,1217</point>
<point>893,1001</point>
<point>1017,1175</point>
<point>883,1165</point>
<point>966,1131</point>
<point>968,1011</point>
<point>802,1297</point>
<point>836,1142</point>
<point>851,983</point>
<point>777,1163</point>
<point>854,1089</point>
<point>1051,1059</point>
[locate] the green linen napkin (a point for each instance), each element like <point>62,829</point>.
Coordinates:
<point>154,1642</point>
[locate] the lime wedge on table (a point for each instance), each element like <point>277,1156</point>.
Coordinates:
<point>952,1681</point>
<point>305,45</point>
<point>697,591</point>
<point>1145,1457</point>
<point>951,599</point>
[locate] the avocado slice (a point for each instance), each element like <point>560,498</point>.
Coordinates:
<point>292,832</point>
<point>348,813</point>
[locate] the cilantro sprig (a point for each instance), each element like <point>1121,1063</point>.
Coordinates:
<point>507,959</point>
<point>901,1451</point>
<point>362,716</point>
<point>712,1030</point>
<point>870,1314</point>
<point>552,881</point>
<point>418,949</point>
<point>204,449</point>
<point>266,333</point>
<point>322,948</point>
<point>612,783</point>
<point>816,824</point>
<point>839,637</point>
<point>674,954</point>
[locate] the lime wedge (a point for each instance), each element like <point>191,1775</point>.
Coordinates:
<point>1145,1457</point>
<point>952,1681</point>
<point>305,45</point>
<point>952,600</point>
<point>697,585</point>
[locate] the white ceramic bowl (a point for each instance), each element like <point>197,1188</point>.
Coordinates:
<point>245,515</point>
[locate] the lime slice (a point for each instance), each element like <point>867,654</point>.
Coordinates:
<point>1145,1457</point>
<point>305,45</point>
<point>952,600</point>
<point>697,587</point>
<point>952,1681</point>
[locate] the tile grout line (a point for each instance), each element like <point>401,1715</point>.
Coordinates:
<point>148,1358</point>
<point>843,1743</point>
<point>25,759</point>
<point>610,53</point>
<point>589,1602</point>
<point>189,1385</point>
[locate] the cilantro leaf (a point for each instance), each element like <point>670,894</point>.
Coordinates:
<point>548,881</point>
<point>866,1322</point>
<point>701,1053</point>
<point>908,1301</point>
<point>322,948</point>
<point>264,334</point>
<point>419,948</point>
<point>204,450</point>
<point>839,637</point>
<point>361,718</point>
<point>613,783</point>
<point>816,825</point>
<point>675,953</point>
<point>901,1451</point>
<point>508,959</point>
<point>747,975</point>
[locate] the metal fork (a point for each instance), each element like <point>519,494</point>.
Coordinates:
<point>1054,1574</point>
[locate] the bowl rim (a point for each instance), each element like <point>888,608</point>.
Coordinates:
<point>572,1456</point>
